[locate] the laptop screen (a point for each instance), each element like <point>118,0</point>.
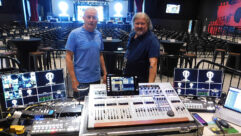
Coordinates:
<point>233,100</point>
<point>23,89</point>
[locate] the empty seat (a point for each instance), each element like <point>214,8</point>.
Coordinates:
<point>10,65</point>
<point>216,52</point>
<point>38,59</point>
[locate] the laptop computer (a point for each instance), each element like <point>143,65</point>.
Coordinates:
<point>231,110</point>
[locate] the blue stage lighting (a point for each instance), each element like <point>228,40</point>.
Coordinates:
<point>63,6</point>
<point>118,8</point>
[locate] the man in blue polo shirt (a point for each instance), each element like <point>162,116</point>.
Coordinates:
<point>83,56</point>
<point>143,50</point>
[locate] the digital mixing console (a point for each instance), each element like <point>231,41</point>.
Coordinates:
<point>114,111</point>
<point>191,105</point>
<point>65,118</point>
<point>97,91</point>
<point>199,105</point>
<point>68,108</point>
<point>56,126</point>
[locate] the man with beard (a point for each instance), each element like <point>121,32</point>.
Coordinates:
<point>143,50</point>
<point>83,56</point>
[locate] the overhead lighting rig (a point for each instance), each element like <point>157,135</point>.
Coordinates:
<point>92,2</point>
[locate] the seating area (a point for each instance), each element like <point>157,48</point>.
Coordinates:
<point>50,54</point>
<point>49,87</point>
<point>193,47</point>
<point>10,65</point>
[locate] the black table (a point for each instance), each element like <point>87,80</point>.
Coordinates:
<point>111,45</point>
<point>171,47</point>
<point>24,46</point>
<point>231,61</point>
<point>114,61</point>
<point>173,51</point>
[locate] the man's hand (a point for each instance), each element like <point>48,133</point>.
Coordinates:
<point>102,63</point>
<point>75,84</point>
<point>70,67</point>
<point>152,69</point>
<point>104,79</point>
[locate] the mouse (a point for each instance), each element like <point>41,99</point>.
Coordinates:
<point>170,113</point>
<point>224,123</point>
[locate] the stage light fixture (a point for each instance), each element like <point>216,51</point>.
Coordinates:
<point>63,6</point>
<point>118,8</point>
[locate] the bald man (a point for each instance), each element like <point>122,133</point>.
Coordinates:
<point>83,56</point>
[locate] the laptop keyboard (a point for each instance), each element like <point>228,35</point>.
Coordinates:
<point>229,115</point>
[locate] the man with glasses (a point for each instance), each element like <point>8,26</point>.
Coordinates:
<point>143,50</point>
<point>83,56</point>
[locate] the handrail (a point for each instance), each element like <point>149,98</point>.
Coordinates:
<point>235,71</point>
<point>232,71</point>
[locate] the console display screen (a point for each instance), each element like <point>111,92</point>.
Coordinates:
<point>122,85</point>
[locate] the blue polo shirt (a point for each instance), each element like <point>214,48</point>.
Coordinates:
<point>86,47</point>
<point>138,52</point>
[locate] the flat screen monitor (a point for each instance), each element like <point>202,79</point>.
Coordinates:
<point>196,82</point>
<point>122,85</point>
<point>173,8</point>
<point>81,10</point>
<point>19,90</point>
<point>233,99</point>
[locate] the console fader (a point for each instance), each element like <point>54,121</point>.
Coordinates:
<point>166,107</point>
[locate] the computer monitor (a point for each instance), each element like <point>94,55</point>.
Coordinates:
<point>196,82</point>
<point>121,85</point>
<point>173,8</point>
<point>22,89</point>
<point>233,99</point>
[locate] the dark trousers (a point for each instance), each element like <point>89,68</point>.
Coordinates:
<point>83,90</point>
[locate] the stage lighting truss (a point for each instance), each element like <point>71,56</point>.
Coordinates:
<point>92,2</point>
